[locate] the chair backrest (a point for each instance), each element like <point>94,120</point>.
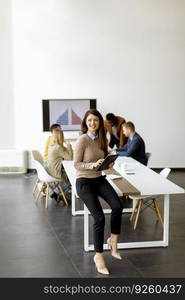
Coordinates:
<point>38,156</point>
<point>165,172</point>
<point>42,173</point>
<point>148,155</point>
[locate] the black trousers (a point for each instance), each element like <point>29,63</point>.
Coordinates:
<point>114,141</point>
<point>88,190</point>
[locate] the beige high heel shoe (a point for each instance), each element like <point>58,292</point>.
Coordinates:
<point>100,266</point>
<point>115,253</point>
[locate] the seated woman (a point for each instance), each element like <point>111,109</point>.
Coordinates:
<point>49,140</point>
<point>58,152</point>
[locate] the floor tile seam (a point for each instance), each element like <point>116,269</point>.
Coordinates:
<point>163,264</point>
<point>62,246</point>
<point>136,268</point>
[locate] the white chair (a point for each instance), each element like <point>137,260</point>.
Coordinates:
<point>45,179</point>
<point>145,200</point>
<point>37,156</point>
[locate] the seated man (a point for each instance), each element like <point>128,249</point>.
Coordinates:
<point>113,126</point>
<point>49,140</point>
<point>135,146</point>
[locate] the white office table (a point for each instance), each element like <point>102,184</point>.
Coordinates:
<point>71,173</point>
<point>147,182</point>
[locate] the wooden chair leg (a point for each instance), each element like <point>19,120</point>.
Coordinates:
<point>39,192</point>
<point>135,207</point>
<point>47,195</point>
<point>63,195</point>
<point>137,215</point>
<point>35,186</point>
<point>157,211</point>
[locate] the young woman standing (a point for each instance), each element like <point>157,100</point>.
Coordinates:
<point>90,151</point>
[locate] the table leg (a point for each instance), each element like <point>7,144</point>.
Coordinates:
<point>73,202</point>
<point>166,220</point>
<point>145,244</point>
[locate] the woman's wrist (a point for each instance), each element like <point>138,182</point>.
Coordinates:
<point>94,166</point>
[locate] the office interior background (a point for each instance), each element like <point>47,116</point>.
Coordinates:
<point>127,54</point>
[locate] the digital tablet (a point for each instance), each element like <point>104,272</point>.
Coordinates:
<point>107,161</point>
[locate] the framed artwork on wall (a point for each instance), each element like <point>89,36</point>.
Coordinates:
<point>66,112</point>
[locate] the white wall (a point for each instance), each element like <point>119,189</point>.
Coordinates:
<point>6,79</point>
<point>128,54</point>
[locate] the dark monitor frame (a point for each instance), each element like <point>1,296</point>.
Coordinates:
<point>46,112</point>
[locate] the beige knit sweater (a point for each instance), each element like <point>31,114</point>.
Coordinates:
<point>86,153</point>
<point>56,154</point>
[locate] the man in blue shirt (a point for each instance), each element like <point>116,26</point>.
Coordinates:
<point>135,146</point>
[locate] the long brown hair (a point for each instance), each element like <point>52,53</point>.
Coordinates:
<point>101,130</point>
<point>58,137</point>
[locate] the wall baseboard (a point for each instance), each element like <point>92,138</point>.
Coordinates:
<point>13,161</point>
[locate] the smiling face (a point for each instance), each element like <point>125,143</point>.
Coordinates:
<point>93,123</point>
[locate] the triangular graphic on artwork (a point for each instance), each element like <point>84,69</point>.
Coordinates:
<point>75,118</point>
<point>63,119</point>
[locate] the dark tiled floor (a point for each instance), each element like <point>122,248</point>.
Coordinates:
<point>35,242</point>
